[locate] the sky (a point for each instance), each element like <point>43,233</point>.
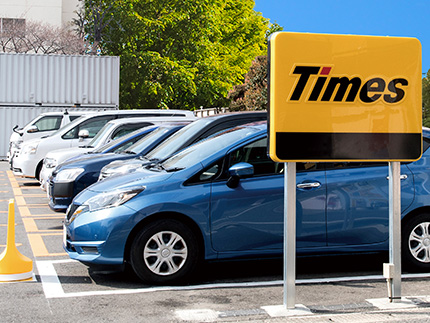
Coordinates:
<point>399,18</point>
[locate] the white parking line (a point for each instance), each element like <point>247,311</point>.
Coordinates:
<point>53,289</point>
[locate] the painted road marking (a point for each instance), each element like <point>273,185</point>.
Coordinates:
<point>35,236</point>
<point>31,226</point>
<point>53,289</point>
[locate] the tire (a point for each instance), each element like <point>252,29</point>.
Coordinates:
<point>155,259</point>
<point>38,169</point>
<point>416,243</point>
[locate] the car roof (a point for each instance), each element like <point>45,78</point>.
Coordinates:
<point>236,115</point>
<point>163,119</point>
<point>67,111</point>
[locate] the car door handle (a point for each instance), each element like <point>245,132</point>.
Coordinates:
<point>403,176</point>
<point>308,185</point>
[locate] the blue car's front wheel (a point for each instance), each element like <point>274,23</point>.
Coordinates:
<point>416,242</point>
<point>164,251</point>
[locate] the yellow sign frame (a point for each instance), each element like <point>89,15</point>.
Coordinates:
<point>344,98</point>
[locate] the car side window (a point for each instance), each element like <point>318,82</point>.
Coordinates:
<point>256,155</point>
<point>209,174</point>
<point>48,123</point>
<point>126,129</point>
<point>93,126</point>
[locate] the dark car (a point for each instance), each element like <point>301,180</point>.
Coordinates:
<point>72,176</point>
<point>64,188</point>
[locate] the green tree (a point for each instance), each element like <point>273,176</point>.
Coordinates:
<point>179,53</point>
<point>252,94</point>
<point>426,100</point>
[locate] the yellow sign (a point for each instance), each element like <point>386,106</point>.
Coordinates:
<point>344,98</point>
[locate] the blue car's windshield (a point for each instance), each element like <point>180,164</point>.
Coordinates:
<point>198,152</point>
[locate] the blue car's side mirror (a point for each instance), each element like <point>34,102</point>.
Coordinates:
<point>238,171</point>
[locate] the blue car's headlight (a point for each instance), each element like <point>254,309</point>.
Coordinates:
<point>107,200</point>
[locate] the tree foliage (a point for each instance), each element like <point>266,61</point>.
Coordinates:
<point>179,53</point>
<point>252,94</point>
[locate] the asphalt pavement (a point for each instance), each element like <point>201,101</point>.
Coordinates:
<point>328,289</point>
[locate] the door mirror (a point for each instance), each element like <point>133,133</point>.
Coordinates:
<point>238,171</point>
<point>84,133</point>
<point>32,129</point>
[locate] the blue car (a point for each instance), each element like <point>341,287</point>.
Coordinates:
<point>223,199</point>
<point>74,175</point>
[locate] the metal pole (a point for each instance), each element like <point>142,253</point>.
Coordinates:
<point>394,228</point>
<point>290,235</point>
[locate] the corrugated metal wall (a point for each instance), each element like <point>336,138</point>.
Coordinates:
<point>59,80</point>
<point>15,115</point>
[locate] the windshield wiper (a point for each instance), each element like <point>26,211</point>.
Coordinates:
<point>156,167</point>
<point>129,152</point>
<point>174,169</point>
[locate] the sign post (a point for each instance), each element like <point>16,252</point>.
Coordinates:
<point>290,235</point>
<point>343,98</point>
<point>395,231</point>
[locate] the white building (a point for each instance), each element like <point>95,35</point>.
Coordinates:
<point>53,12</point>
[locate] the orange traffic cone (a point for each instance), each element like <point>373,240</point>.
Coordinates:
<point>13,265</point>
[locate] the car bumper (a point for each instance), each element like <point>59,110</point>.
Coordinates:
<point>60,195</point>
<point>44,176</point>
<point>24,165</point>
<point>99,237</point>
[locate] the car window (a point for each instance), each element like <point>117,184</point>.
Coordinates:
<point>426,144</point>
<point>256,155</point>
<point>196,153</point>
<point>73,117</point>
<point>122,143</point>
<point>175,142</point>
<point>48,123</point>
<point>93,126</point>
<point>127,128</point>
<point>208,174</point>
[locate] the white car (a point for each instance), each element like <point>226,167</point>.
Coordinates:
<point>28,161</point>
<point>112,130</point>
<point>43,125</point>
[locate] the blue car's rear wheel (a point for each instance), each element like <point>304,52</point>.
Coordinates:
<point>416,242</point>
<point>164,251</point>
